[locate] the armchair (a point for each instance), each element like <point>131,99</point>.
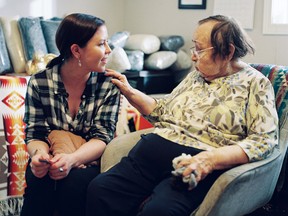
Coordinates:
<point>242,189</point>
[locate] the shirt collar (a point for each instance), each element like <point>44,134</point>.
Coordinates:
<point>58,86</point>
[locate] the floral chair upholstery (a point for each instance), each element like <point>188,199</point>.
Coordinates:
<point>242,189</point>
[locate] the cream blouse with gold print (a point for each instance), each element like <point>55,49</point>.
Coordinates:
<point>236,109</point>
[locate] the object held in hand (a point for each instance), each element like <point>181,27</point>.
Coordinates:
<point>181,181</point>
<point>61,169</point>
<point>44,161</point>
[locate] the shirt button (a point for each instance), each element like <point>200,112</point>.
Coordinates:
<point>71,129</point>
<point>84,96</point>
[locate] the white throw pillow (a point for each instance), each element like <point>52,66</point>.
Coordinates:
<point>118,60</point>
<point>145,42</point>
<point>160,60</point>
<point>14,43</point>
<point>183,61</point>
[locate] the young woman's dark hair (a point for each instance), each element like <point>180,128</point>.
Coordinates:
<point>77,29</point>
<point>227,31</point>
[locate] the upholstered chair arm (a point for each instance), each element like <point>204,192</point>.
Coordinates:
<point>242,189</point>
<point>119,147</point>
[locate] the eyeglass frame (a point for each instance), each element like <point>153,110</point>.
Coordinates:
<point>198,52</point>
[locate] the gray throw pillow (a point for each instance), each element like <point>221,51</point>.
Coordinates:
<point>5,64</point>
<point>171,42</point>
<point>32,36</point>
<point>49,28</point>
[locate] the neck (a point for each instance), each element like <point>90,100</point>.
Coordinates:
<point>72,74</point>
<point>235,66</point>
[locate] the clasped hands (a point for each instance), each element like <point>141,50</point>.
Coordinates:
<point>58,166</point>
<point>190,170</point>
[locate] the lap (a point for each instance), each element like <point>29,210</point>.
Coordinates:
<point>168,200</point>
<point>144,172</point>
<point>67,195</point>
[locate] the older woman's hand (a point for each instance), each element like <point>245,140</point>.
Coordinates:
<point>120,81</point>
<point>199,165</point>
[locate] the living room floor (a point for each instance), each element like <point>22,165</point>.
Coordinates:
<point>276,207</point>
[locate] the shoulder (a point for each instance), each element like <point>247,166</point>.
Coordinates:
<point>43,79</point>
<point>254,76</point>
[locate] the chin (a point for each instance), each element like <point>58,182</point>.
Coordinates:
<point>100,69</point>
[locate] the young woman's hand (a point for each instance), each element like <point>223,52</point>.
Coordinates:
<point>40,164</point>
<point>61,164</point>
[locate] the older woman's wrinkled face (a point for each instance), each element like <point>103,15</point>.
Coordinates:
<point>202,53</point>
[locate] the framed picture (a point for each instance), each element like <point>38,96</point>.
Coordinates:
<point>192,4</point>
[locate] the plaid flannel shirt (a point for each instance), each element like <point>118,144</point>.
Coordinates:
<point>46,107</point>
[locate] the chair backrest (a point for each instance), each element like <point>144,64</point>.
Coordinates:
<point>278,75</point>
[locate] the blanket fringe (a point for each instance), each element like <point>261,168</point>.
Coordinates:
<point>11,206</point>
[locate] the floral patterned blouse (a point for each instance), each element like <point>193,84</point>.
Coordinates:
<point>236,109</point>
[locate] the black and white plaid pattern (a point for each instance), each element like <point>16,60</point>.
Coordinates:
<point>46,107</point>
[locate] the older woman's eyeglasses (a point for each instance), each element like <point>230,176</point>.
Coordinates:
<point>197,53</point>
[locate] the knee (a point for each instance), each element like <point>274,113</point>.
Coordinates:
<point>95,187</point>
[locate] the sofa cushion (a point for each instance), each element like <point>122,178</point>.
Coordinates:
<point>14,43</point>
<point>32,36</point>
<point>49,28</point>
<point>5,64</point>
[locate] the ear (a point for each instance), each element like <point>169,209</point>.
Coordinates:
<point>231,52</point>
<point>75,50</point>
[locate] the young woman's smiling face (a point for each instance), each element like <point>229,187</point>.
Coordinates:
<point>94,55</point>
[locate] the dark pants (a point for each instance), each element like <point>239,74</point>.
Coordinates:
<point>67,196</point>
<point>145,175</point>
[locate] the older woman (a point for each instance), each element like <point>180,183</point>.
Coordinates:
<point>222,115</point>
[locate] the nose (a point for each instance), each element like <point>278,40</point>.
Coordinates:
<point>194,57</point>
<point>107,48</point>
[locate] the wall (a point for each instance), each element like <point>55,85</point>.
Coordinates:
<point>112,11</point>
<point>162,17</point>
<point>159,17</point>
<point>109,10</point>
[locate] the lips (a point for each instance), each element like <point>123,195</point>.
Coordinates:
<point>104,60</point>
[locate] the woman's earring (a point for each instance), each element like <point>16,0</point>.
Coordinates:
<point>79,62</point>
